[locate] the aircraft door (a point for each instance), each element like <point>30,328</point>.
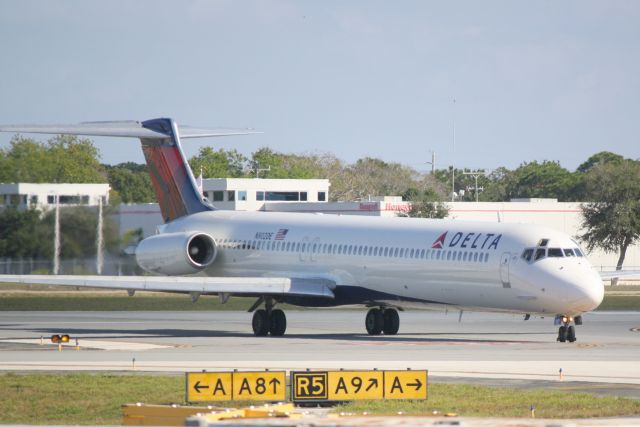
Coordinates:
<point>504,270</point>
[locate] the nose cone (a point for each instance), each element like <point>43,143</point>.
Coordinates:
<point>572,289</point>
<point>588,292</point>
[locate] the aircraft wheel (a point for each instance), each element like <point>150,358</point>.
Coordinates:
<point>374,322</point>
<point>391,321</point>
<point>571,334</point>
<point>278,323</point>
<point>260,323</point>
<point>562,334</point>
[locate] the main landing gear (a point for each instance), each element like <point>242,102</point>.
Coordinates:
<point>381,320</point>
<point>268,321</point>
<point>567,332</point>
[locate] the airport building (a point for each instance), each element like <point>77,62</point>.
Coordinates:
<point>43,196</point>
<point>244,194</point>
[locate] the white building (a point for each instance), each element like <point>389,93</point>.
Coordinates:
<point>244,194</point>
<point>43,196</point>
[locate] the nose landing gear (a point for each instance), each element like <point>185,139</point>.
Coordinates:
<point>382,320</point>
<point>566,332</point>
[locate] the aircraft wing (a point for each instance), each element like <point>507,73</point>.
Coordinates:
<point>628,274</point>
<point>247,286</point>
<point>127,128</point>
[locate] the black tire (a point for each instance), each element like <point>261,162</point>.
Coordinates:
<point>374,322</point>
<point>571,334</point>
<point>562,334</point>
<point>260,323</point>
<point>278,323</point>
<point>391,322</point>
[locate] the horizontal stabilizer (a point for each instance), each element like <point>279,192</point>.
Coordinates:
<point>205,285</point>
<point>129,128</point>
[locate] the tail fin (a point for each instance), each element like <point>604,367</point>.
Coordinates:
<point>170,173</point>
<point>171,176</point>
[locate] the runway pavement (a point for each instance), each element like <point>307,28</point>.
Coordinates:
<point>494,348</point>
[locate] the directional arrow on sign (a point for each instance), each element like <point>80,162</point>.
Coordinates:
<point>197,387</point>
<point>373,382</point>
<point>417,384</point>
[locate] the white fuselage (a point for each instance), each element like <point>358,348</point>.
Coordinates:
<point>406,262</point>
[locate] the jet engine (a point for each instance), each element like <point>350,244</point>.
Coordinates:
<point>176,254</point>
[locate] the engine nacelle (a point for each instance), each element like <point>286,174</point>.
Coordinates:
<point>175,254</point>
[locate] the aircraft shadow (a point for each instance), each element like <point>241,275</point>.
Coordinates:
<point>442,337</point>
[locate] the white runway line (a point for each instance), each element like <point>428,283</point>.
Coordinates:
<point>93,344</point>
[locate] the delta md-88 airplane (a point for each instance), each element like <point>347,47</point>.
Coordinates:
<point>313,260</point>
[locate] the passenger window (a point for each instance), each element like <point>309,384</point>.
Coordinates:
<point>475,257</point>
<point>448,255</point>
<point>304,247</point>
<point>568,252</point>
<point>540,253</point>
<point>459,256</point>
<point>555,253</point>
<point>486,257</point>
<point>422,253</point>
<point>527,254</point>
<point>412,252</point>
<point>386,251</point>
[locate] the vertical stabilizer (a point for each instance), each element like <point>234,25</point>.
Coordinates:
<point>171,176</point>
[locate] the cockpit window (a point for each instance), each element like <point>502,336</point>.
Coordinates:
<point>568,252</point>
<point>543,242</point>
<point>540,253</point>
<point>555,253</point>
<point>527,254</point>
<point>578,252</point>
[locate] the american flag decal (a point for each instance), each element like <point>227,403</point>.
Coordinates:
<point>281,234</point>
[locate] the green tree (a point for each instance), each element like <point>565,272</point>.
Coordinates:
<point>131,182</point>
<point>546,179</point>
<point>612,221</point>
<point>373,177</point>
<point>599,159</point>
<point>63,159</point>
<point>218,164</point>
<point>78,228</point>
<point>23,235</point>
<point>426,204</point>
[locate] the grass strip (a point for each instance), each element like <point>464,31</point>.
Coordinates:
<point>482,401</point>
<point>81,399</point>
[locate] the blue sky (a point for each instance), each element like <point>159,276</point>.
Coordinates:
<point>556,80</point>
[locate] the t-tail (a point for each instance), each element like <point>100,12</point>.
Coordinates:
<point>175,186</point>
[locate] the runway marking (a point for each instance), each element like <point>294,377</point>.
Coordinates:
<point>94,344</point>
<point>434,343</point>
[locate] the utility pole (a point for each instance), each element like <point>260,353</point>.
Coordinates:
<point>453,156</point>
<point>475,175</point>
<point>258,170</point>
<point>56,237</point>
<point>100,239</point>
<point>432,162</point>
